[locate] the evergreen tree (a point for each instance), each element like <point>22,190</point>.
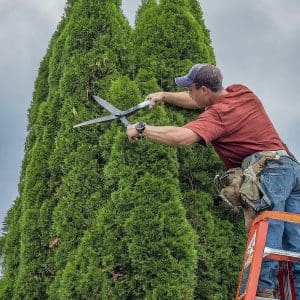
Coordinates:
<point>21,233</point>
<point>10,251</point>
<point>169,38</point>
<point>198,15</point>
<point>33,272</point>
<point>97,48</point>
<point>98,217</point>
<point>142,246</point>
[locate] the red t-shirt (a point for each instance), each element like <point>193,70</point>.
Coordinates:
<point>236,125</point>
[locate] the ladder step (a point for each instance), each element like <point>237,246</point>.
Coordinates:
<point>291,254</point>
<point>262,298</point>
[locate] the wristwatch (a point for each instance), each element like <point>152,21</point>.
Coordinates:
<point>140,127</point>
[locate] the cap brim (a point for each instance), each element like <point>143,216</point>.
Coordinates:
<point>183,81</point>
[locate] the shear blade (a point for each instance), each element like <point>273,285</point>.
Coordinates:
<point>98,120</point>
<point>107,105</point>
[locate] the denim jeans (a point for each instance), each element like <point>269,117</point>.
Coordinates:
<point>281,182</point>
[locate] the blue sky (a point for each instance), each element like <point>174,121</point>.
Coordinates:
<point>256,43</point>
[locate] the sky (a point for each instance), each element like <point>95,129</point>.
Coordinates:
<point>256,42</point>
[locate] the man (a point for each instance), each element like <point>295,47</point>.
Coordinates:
<point>236,124</point>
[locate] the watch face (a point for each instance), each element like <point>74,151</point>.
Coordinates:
<point>140,127</point>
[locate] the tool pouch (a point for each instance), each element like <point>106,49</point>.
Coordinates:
<point>241,188</point>
<point>252,192</point>
<point>228,185</point>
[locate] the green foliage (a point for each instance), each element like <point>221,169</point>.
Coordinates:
<point>198,15</point>
<point>96,50</point>
<point>10,244</point>
<point>170,37</point>
<point>141,245</point>
<point>98,217</point>
<point>19,262</point>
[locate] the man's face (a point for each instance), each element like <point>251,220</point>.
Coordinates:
<point>198,95</point>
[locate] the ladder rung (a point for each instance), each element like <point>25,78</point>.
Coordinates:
<point>280,252</point>
<point>262,298</point>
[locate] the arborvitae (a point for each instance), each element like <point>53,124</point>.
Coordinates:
<point>98,217</point>
<point>10,251</point>
<point>198,15</point>
<point>33,272</point>
<point>97,48</point>
<point>19,261</point>
<point>11,242</point>
<point>169,38</point>
<point>141,246</point>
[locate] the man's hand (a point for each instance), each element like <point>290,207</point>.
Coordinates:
<point>132,133</point>
<point>180,99</point>
<point>156,99</point>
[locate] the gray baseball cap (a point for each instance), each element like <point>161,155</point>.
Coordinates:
<point>187,80</point>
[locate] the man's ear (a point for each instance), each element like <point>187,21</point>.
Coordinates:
<point>205,90</point>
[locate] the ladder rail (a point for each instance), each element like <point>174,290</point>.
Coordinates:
<point>277,215</point>
<point>256,252</point>
<point>256,261</point>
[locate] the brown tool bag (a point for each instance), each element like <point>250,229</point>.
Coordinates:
<point>228,185</point>
<point>241,188</point>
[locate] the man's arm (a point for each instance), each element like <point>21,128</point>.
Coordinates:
<point>181,99</point>
<point>170,135</point>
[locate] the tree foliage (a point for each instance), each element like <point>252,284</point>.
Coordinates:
<point>98,217</point>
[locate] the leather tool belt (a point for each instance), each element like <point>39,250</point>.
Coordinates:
<point>242,187</point>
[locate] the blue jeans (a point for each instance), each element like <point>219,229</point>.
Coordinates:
<point>281,182</point>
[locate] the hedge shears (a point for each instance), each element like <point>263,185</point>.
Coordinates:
<point>115,112</point>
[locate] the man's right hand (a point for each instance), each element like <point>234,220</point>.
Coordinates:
<point>156,99</point>
<point>180,99</point>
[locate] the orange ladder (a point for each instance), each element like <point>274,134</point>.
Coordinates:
<point>256,252</point>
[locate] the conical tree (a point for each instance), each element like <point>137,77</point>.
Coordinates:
<point>19,261</point>
<point>196,11</point>
<point>10,251</point>
<point>97,48</point>
<point>97,217</point>
<point>141,246</point>
<point>169,38</point>
<point>39,194</point>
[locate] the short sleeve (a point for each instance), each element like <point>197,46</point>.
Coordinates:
<point>208,125</point>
